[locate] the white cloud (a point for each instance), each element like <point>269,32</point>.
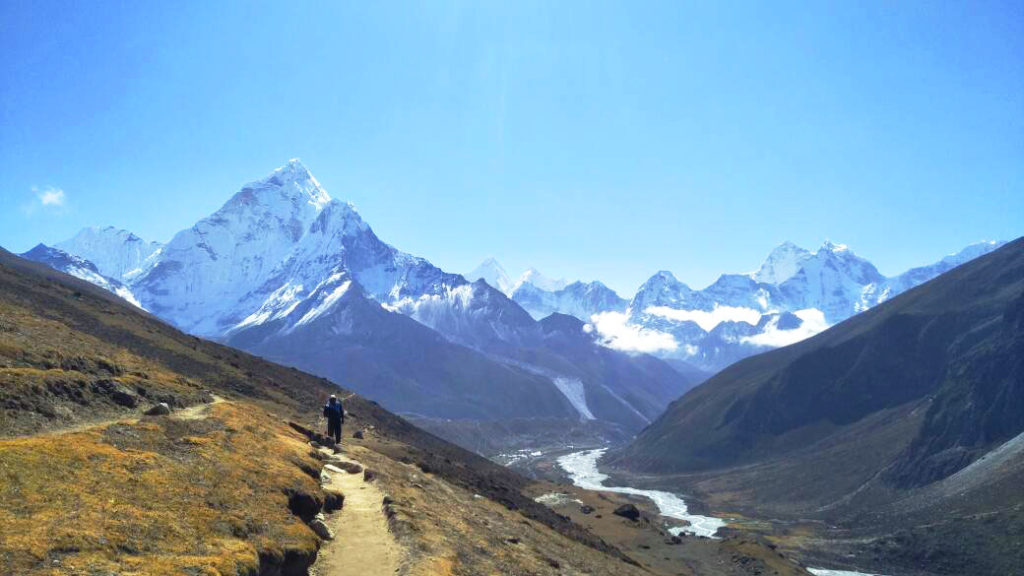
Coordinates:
<point>812,322</point>
<point>616,332</point>
<point>705,319</point>
<point>51,197</point>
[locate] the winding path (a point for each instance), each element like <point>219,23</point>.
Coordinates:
<point>362,543</point>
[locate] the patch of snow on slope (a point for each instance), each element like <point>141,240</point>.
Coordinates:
<point>812,322</point>
<point>707,320</point>
<point>573,391</point>
<point>327,301</point>
<point>93,278</point>
<point>278,305</point>
<point>617,333</point>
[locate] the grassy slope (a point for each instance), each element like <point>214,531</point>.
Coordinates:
<point>67,349</point>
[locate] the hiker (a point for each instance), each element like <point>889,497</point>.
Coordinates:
<point>335,414</point>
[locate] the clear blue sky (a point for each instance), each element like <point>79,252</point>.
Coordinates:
<point>591,140</point>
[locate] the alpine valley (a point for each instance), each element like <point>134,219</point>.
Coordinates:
<point>284,271</point>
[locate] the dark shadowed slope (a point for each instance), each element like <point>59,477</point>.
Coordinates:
<point>902,427</point>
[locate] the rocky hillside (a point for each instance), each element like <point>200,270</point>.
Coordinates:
<point>79,366</point>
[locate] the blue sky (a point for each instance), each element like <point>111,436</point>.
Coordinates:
<point>591,140</point>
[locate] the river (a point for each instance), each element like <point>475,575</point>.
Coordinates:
<point>582,470</point>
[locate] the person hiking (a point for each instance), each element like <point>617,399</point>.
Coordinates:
<point>335,414</point>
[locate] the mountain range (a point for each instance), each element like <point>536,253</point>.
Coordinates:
<point>284,270</point>
<point>796,293</point>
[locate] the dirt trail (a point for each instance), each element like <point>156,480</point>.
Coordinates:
<point>195,412</point>
<point>362,544</point>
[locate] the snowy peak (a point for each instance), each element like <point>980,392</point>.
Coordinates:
<point>534,277</point>
<point>662,289</point>
<point>116,253</point>
<point>782,263</point>
<point>291,191</point>
<point>971,252</point>
<point>79,268</point>
<point>578,299</point>
<point>492,272</point>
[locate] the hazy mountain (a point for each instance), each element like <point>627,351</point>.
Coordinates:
<point>117,254</point>
<point>492,272</point>
<point>577,299</point>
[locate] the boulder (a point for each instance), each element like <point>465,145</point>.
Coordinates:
<point>303,504</point>
<point>359,434</point>
<point>334,499</point>
<point>337,465</point>
<point>161,409</point>
<point>322,529</point>
<point>628,511</point>
<point>116,391</point>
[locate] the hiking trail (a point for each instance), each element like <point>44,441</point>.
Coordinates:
<point>362,543</point>
<point>195,412</point>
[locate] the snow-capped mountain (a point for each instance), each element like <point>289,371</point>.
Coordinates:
<point>795,294</point>
<point>116,253</point>
<point>284,270</point>
<point>533,277</point>
<point>577,299</point>
<point>79,268</point>
<point>492,272</point>
<point>542,296</point>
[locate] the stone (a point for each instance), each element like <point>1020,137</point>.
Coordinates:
<point>628,511</point>
<point>334,499</point>
<point>359,434</point>
<point>322,529</point>
<point>117,392</point>
<point>586,509</point>
<point>161,409</point>
<point>338,465</point>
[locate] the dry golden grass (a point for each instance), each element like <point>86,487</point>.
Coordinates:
<point>159,496</point>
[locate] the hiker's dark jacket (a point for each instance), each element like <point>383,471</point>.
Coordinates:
<point>334,412</point>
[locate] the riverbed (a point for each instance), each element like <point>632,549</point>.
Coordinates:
<point>582,470</point>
